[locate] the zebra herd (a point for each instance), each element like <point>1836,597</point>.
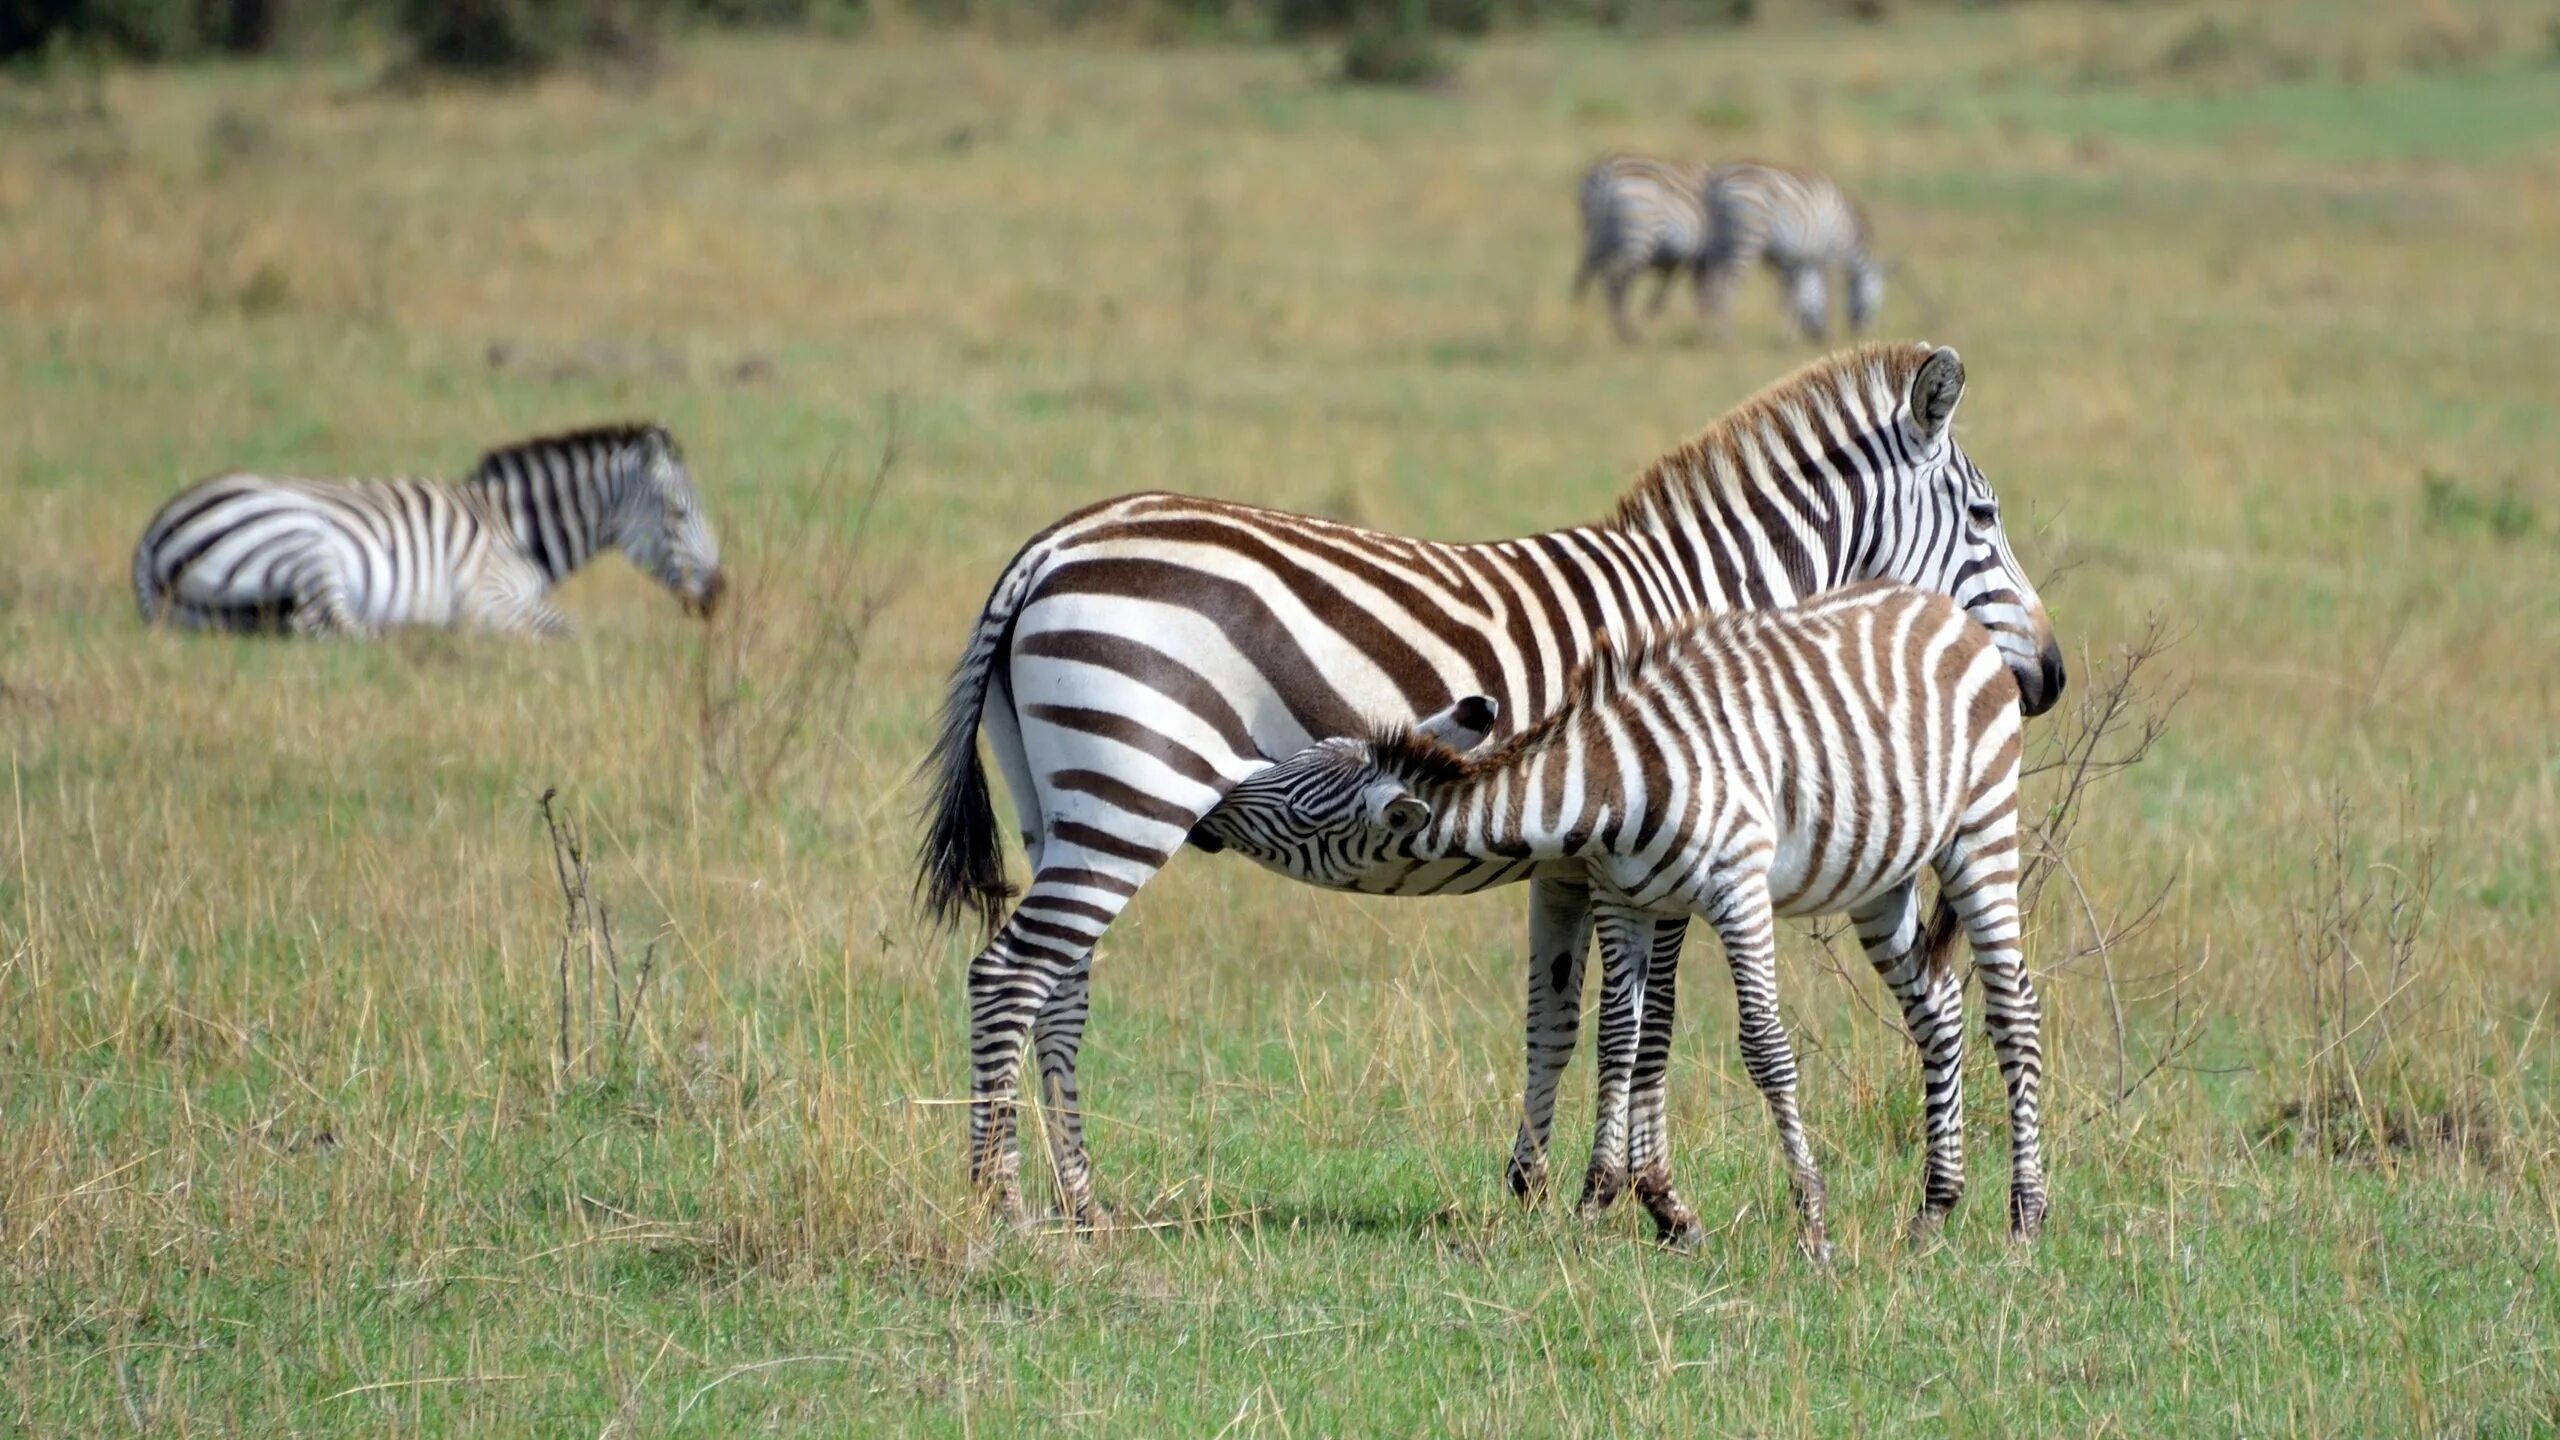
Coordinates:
<point>1644,215</point>
<point>1142,664</point>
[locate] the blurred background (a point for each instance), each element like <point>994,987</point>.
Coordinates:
<point>307,1123</point>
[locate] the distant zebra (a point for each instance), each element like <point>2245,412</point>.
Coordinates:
<point>1640,214</point>
<point>274,554</point>
<point>1798,223</point>
<point>1805,761</point>
<point>1138,658</point>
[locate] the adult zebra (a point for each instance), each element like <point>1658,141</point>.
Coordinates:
<point>1805,761</point>
<point>1641,214</point>
<point>263,553</point>
<point>1139,658</point>
<point>1801,225</point>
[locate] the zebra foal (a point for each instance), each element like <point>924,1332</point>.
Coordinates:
<point>276,554</point>
<point>1640,214</point>
<point>1807,761</point>
<point>1140,657</point>
<point>1801,225</point>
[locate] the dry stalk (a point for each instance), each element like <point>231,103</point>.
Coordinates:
<point>755,697</point>
<point>591,1046</point>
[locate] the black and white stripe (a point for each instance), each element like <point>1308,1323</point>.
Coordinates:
<point>1139,658</point>
<point>1804,761</point>
<point>265,553</point>
<point>1640,214</point>
<point>1801,225</point>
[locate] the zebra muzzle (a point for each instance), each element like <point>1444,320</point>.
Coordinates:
<point>708,601</point>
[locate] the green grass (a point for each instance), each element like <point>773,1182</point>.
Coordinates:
<point>2263,348</point>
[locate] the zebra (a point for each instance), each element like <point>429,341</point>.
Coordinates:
<point>1641,214</point>
<point>1798,223</point>
<point>1802,761</point>
<point>274,554</point>
<point>1138,658</point>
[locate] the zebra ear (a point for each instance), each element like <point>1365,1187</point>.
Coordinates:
<point>1463,726</point>
<point>1396,810</point>
<point>1935,389</point>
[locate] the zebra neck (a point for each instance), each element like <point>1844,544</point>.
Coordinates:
<point>558,505</point>
<point>1754,524</point>
<point>1544,802</point>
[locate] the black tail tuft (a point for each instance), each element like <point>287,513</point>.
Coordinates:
<point>960,865</point>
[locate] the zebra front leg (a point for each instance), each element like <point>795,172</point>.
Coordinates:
<point>1622,959</point>
<point>1559,942</point>
<point>1049,938</point>
<point>1932,999</point>
<point>1649,1141</point>
<point>1809,299</point>
<point>1617,283</point>
<point>1979,877</point>
<point>1746,923</point>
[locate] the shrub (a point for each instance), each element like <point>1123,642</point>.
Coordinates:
<point>1382,51</point>
<point>513,39</point>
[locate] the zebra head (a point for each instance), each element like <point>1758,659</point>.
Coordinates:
<point>659,522</point>
<point>1950,537</point>
<point>1331,814</point>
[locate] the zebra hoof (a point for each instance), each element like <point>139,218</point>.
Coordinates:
<point>1527,1180</point>
<point>1817,1249</point>
<point>1928,1227</point>
<point>2026,1219</point>
<point>1601,1187</point>
<point>1687,1237</point>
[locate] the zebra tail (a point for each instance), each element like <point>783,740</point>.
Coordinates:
<point>147,592</point>
<point>960,865</point>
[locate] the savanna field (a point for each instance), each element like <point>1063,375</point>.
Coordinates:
<point>2258,309</point>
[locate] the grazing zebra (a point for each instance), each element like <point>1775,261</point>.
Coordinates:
<point>1140,657</point>
<point>1805,761</point>
<point>267,553</point>
<point>1801,225</point>
<point>1640,214</point>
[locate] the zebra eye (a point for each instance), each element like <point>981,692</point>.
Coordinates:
<point>1983,513</point>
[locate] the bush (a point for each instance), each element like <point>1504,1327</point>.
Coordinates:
<point>514,39</point>
<point>1392,52</point>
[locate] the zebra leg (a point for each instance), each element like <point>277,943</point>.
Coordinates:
<point>1745,921</point>
<point>1617,282</point>
<point>1048,939</point>
<point>1932,998</point>
<point>1809,297</point>
<point>1559,944</point>
<point>1978,875</point>
<point>1622,959</point>
<point>1056,1037</point>
<point>1661,292</point>
<point>319,606</point>
<point>1649,1144</point>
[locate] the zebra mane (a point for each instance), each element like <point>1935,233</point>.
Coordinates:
<point>1425,764</point>
<point>612,437</point>
<point>1878,375</point>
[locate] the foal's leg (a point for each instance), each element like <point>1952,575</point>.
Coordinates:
<point>1559,943</point>
<point>1622,935</point>
<point>1932,998</point>
<point>1744,919</point>
<point>1649,1140</point>
<point>1978,875</point>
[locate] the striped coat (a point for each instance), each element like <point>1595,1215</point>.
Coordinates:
<point>1805,761</point>
<point>1639,215</point>
<point>1139,658</point>
<point>1801,225</point>
<point>261,553</point>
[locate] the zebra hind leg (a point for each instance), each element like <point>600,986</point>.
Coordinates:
<point>1559,947</point>
<point>1808,299</point>
<point>1046,942</point>
<point>1932,999</point>
<point>1056,1038</point>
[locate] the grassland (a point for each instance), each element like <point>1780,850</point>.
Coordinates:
<point>2262,340</point>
